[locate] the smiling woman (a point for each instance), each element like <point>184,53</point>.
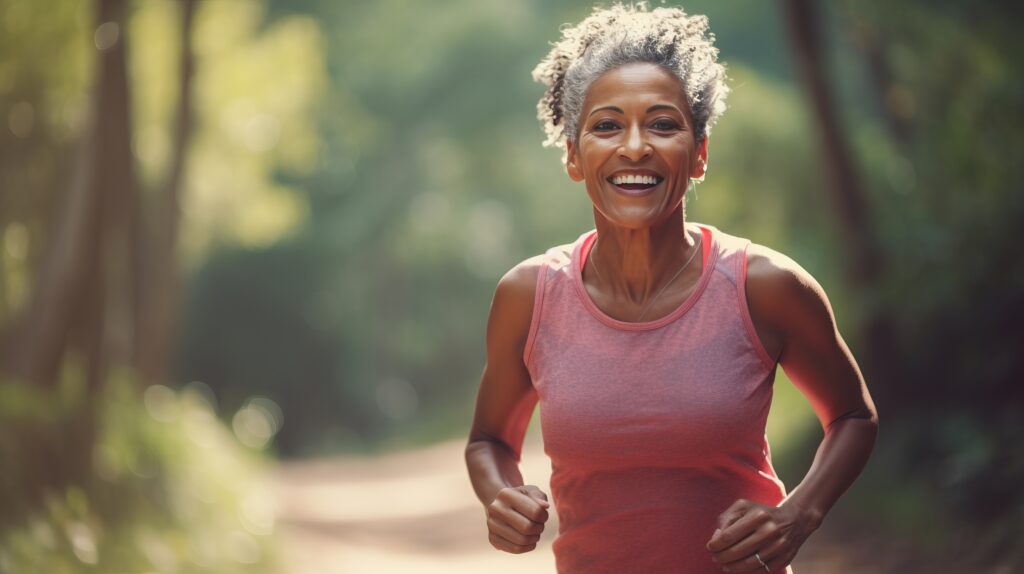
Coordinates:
<point>637,138</point>
<point>650,343</point>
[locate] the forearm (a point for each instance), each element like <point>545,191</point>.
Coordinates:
<point>492,467</point>
<point>839,460</point>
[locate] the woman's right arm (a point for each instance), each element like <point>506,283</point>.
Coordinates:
<point>505,401</point>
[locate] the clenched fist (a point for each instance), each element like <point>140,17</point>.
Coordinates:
<point>516,517</point>
<point>753,537</point>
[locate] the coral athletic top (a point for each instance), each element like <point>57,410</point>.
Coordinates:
<point>653,428</point>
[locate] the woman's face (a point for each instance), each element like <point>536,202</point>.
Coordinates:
<point>637,147</point>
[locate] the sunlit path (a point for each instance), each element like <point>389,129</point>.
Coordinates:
<point>415,512</point>
<point>408,512</point>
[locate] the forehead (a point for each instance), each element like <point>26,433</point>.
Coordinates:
<point>636,85</point>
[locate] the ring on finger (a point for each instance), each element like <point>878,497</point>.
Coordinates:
<point>758,556</point>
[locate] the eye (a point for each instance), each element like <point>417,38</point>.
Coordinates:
<point>604,126</point>
<point>665,125</point>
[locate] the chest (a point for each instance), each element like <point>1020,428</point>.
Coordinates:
<point>680,394</point>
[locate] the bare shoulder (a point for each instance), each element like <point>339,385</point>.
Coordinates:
<point>520,281</point>
<point>512,306</point>
<point>782,295</point>
<point>770,270</point>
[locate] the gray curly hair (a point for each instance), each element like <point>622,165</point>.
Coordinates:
<point>618,35</point>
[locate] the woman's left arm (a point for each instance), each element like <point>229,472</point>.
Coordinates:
<point>794,320</point>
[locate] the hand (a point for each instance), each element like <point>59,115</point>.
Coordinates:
<point>516,517</point>
<point>773,532</point>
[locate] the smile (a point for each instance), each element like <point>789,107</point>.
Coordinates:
<point>635,184</point>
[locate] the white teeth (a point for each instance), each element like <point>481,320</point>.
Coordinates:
<point>641,179</point>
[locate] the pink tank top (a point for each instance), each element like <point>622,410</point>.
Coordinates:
<point>655,428</point>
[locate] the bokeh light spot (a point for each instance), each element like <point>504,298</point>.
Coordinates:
<point>161,403</point>
<point>106,35</point>
<point>254,424</point>
<point>83,542</point>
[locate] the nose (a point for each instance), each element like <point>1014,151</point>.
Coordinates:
<point>635,146</point>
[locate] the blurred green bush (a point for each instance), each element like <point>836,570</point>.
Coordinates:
<point>127,481</point>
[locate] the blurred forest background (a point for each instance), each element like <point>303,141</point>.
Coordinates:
<point>235,231</point>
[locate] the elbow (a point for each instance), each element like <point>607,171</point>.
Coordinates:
<point>474,445</point>
<point>481,441</point>
<point>866,416</point>
<point>872,415</point>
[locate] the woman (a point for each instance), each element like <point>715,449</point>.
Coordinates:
<point>651,343</point>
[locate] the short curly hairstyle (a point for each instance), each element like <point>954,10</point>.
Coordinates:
<point>624,34</point>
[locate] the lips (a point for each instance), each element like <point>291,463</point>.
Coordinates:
<point>635,183</point>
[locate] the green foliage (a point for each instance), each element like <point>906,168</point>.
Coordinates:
<point>126,482</point>
<point>948,212</point>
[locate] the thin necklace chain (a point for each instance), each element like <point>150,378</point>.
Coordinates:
<point>593,262</point>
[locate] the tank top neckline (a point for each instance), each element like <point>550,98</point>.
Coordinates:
<point>709,256</point>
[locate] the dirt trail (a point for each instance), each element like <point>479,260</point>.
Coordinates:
<point>415,512</point>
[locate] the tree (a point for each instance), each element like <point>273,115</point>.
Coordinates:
<point>108,286</point>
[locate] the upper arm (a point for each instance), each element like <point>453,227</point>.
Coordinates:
<point>792,314</point>
<point>506,397</point>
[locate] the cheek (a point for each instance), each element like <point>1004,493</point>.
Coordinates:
<point>594,159</point>
<point>680,155</point>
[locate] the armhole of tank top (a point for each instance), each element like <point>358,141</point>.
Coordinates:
<point>741,290</point>
<point>538,302</point>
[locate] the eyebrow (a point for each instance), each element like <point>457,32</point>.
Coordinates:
<point>664,107</point>
<point>649,110</point>
<point>612,108</point>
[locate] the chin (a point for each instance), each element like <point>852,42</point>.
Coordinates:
<point>638,217</point>
<point>634,220</point>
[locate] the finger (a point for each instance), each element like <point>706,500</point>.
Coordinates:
<point>520,499</point>
<point>762,537</point>
<point>733,513</point>
<point>729,516</point>
<point>739,530</point>
<point>515,518</point>
<point>512,535</point>
<point>524,504</point>
<point>503,544</point>
<point>725,521</point>
<point>774,550</point>
<point>537,494</point>
<point>749,564</point>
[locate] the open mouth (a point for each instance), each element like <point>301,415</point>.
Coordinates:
<point>635,184</point>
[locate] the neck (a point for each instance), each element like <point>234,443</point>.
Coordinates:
<point>638,262</point>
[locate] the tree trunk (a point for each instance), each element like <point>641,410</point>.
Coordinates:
<point>863,258</point>
<point>80,301</point>
<point>894,101</point>
<point>160,278</point>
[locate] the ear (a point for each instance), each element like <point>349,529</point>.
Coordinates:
<point>700,166</point>
<point>572,161</point>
